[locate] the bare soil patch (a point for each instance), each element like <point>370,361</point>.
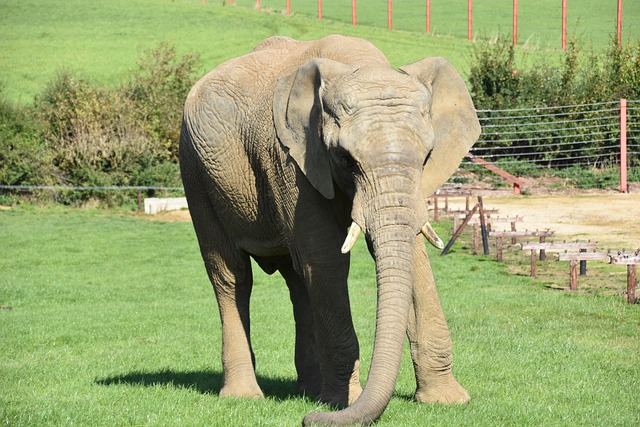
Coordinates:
<point>613,219</point>
<point>607,218</point>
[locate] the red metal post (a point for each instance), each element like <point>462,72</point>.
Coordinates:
<point>353,12</point>
<point>257,4</point>
<point>564,24</point>
<point>428,16</point>
<point>389,13</point>
<point>515,22</point>
<point>469,19</point>
<point>288,7</point>
<point>623,145</point>
<point>319,9</point>
<point>619,20</point>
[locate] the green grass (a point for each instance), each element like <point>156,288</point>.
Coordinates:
<point>113,322</point>
<point>539,23</point>
<point>103,40</point>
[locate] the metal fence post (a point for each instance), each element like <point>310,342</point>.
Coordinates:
<point>623,145</point>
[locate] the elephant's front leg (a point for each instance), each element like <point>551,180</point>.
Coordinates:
<point>430,339</point>
<point>337,341</point>
<point>306,351</point>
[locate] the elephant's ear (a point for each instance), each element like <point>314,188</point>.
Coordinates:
<point>297,115</point>
<point>453,118</point>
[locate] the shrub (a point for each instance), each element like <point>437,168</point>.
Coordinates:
<point>25,157</point>
<point>581,78</point>
<point>123,136</point>
<point>89,127</point>
<point>157,92</point>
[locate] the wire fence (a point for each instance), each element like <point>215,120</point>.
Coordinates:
<point>563,141</point>
<point>579,146</point>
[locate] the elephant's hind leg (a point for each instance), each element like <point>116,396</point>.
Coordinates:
<point>230,273</point>
<point>306,353</point>
<point>233,289</point>
<point>430,339</point>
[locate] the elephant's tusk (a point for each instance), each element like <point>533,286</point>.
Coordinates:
<point>431,235</point>
<point>354,232</point>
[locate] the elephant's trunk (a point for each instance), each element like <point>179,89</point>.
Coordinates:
<point>391,236</point>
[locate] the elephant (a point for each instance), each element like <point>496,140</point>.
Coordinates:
<point>287,154</point>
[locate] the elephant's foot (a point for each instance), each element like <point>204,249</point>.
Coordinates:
<point>443,390</point>
<point>339,397</point>
<point>309,387</point>
<point>238,389</point>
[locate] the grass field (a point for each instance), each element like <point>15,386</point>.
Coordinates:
<point>103,40</point>
<point>112,322</point>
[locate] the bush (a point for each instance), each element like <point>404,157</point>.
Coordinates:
<point>581,78</point>
<point>124,136</point>
<point>158,91</point>
<point>25,157</point>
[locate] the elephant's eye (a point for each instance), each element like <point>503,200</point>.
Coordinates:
<point>426,159</point>
<point>348,162</point>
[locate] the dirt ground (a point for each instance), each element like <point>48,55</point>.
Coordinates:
<point>612,219</point>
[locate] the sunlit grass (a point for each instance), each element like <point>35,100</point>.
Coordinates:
<point>113,322</point>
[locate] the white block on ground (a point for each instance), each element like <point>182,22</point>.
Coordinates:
<point>153,205</point>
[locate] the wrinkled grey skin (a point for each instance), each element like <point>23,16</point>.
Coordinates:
<point>280,151</point>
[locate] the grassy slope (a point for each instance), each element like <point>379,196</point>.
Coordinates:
<point>113,323</point>
<point>104,39</point>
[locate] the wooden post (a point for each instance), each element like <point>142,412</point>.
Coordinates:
<point>573,275</point>
<point>534,256</point>
<point>476,239</point>
<point>389,14</point>
<point>289,7</point>
<point>319,9</point>
<point>632,283</point>
<point>435,209</point>
<point>543,253</point>
<point>499,249</point>
<point>583,265</point>
<point>483,227</point>
<point>513,228</point>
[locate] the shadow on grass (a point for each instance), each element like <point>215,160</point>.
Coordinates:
<point>205,382</point>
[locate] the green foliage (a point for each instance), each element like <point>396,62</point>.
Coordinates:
<point>157,93</point>
<point>564,136</point>
<point>25,158</point>
<point>90,135</point>
<point>497,82</point>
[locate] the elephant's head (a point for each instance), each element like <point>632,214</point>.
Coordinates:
<point>387,140</point>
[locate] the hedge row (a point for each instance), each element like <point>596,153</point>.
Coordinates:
<point>581,79</point>
<point>84,134</point>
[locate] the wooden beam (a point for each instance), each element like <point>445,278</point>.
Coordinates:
<point>459,231</point>
<point>544,233</point>
<point>558,247</point>
<point>586,256</point>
